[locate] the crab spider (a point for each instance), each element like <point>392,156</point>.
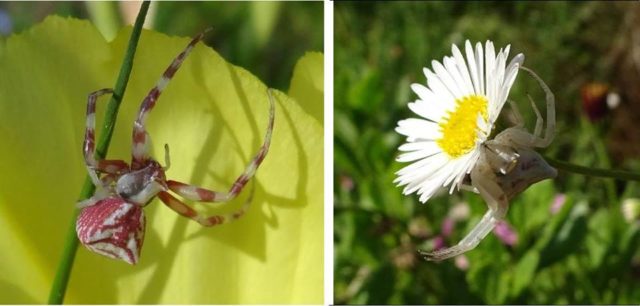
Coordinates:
<point>507,166</point>
<point>112,221</point>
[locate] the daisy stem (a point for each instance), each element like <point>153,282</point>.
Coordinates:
<point>58,289</point>
<point>595,172</point>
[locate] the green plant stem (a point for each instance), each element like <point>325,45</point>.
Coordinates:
<point>58,289</point>
<point>602,156</point>
<point>595,172</point>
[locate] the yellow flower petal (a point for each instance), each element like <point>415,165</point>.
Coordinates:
<point>307,85</point>
<point>213,116</point>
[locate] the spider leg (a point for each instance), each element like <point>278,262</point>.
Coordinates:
<point>199,194</point>
<point>470,188</point>
<point>89,145</point>
<point>140,135</point>
<point>496,200</point>
<point>516,113</point>
<point>551,111</point>
<point>519,119</point>
<point>469,242</point>
<point>539,120</point>
<point>208,221</point>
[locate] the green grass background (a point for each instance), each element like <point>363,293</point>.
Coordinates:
<point>585,253</point>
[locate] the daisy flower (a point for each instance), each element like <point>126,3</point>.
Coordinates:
<point>457,110</point>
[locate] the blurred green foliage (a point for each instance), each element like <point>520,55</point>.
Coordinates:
<point>584,251</point>
<point>266,38</point>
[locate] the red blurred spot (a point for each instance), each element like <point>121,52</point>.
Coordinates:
<point>594,100</point>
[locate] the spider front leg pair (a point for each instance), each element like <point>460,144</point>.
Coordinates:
<point>112,221</point>
<point>507,166</point>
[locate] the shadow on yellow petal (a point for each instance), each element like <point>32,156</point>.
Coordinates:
<point>213,115</point>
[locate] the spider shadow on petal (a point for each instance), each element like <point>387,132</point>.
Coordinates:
<point>228,234</point>
<point>262,215</point>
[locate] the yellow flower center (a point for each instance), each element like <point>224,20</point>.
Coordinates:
<point>459,128</point>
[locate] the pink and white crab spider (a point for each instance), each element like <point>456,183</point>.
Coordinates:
<point>112,221</point>
<point>506,167</point>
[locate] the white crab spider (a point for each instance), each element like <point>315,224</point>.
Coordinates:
<point>507,165</point>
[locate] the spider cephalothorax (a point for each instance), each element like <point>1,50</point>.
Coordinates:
<point>112,221</point>
<point>140,186</point>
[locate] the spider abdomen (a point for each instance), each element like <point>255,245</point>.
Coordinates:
<point>530,169</point>
<point>114,228</point>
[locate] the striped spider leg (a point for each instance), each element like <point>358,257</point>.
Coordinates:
<point>112,221</point>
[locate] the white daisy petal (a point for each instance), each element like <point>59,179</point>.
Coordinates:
<point>451,66</point>
<point>473,68</point>
<point>462,69</point>
<point>429,188</point>
<point>418,129</point>
<point>499,70</point>
<point>418,145</point>
<point>418,154</point>
<point>489,62</point>
<point>498,76</point>
<point>518,59</point>
<point>418,183</point>
<point>424,93</point>
<point>438,88</point>
<point>465,169</point>
<point>456,167</point>
<point>429,110</point>
<point>411,156</point>
<point>431,106</point>
<point>510,76</point>
<point>480,68</point>
<point>512,71</point>
<point>428,177</point>
<point>506,51</point>
<point>426,172</point>
<point>417,168</point>
<point>446,79</point>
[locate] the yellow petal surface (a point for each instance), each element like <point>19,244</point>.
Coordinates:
<point>213,115</point>
<point>307,84</point>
